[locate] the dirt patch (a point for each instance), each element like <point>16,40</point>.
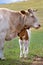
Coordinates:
<point>37,60</point>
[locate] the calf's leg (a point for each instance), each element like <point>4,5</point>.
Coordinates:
<point>21,48</point>
<point>25,48</point>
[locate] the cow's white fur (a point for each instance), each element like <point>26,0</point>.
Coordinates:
<point>24,45</point>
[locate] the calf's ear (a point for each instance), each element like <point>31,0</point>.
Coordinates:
<point>23,12</point>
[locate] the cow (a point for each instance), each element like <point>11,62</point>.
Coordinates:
<point>12,22</point>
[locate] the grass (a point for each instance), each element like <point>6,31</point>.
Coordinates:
<point>11,49</point>
<point>36,46</point>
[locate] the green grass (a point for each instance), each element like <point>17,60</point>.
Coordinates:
<point>11,49</point>
<point>36,44</point>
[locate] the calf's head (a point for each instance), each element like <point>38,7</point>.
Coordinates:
<point>30,18</point>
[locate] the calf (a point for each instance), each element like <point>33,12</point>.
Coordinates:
<point>24,42</point>
<point>12,22</point>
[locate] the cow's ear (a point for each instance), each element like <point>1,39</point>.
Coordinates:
<point>23,12</point>
<point>30,10</point>
<point>35,10</point>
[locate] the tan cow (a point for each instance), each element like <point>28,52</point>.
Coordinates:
<point>12,22</point>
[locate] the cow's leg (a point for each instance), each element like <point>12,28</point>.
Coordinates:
<point>1,49</point>
<point>21,48</point>
<point>2,39</point>
<point>25,48</point>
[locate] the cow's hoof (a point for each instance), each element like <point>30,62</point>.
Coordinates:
<point>3,58</point>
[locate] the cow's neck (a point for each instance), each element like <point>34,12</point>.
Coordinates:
<point>22,25</point>
<point>17,24</point>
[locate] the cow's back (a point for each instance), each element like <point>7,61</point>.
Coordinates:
<point>4,19</point>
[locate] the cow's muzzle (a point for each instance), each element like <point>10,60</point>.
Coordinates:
<point>38,26</point>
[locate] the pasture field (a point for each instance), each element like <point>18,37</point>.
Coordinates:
<point>11,48</point>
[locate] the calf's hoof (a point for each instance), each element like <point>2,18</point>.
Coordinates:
<point>26,57</point>
<point>21,57</point>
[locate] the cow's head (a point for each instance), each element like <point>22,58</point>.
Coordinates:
<point>30,18</point>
